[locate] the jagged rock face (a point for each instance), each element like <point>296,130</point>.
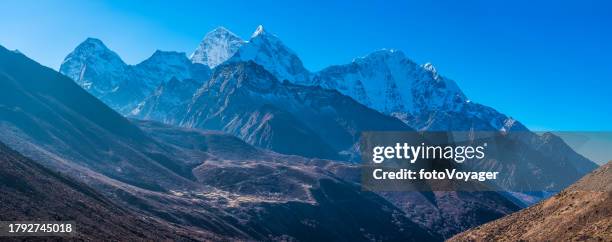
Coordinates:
<point>102,73</point>
<point>168,102</point>
<point>386,81</point>
<point>268,51</point>
<point>244,99</point>
<point>217,46</point>
<point>163,66</point>
<point>389,82</point>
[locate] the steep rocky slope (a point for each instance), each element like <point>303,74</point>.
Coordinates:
<point>581,212</point>
<point>45,115</point>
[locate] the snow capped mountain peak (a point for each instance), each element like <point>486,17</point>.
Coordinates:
<point>220,30</point>
<point>93,48</point>
<point>258,31</point>
<point>260,35</point>
<point>164,66</point>
<point>431,68</point>
<point>102,73</point>
<point>387,81</point>
<point>270,52</point>
<point>217,46</point>
<point>267,50</point>
<point>94,42</point>
<point>91,57</point>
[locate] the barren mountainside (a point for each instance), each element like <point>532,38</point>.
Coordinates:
<point>32,192</point>
<point>582,212</point>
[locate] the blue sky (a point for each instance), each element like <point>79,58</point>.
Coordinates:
<point>545,63</point>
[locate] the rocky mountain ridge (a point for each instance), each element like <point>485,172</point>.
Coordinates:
<point>385,80</point>
<point>264,95</point>
<point>102,73</point>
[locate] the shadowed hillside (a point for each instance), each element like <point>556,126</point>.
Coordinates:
<point>31,192</point>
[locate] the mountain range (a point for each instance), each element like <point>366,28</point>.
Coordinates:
<point>243,99</point>
<point>206,183</point>
<point>260,92</point>
<point>119,85</point>
<point>212,184</point>
<point>385,80</point>
<point>240,141</point>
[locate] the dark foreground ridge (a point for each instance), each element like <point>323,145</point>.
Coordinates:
<point>31,192</point>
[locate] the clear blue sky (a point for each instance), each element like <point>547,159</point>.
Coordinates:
<point>546,63</point>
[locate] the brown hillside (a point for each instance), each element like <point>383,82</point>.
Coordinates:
<point>582,212</point>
